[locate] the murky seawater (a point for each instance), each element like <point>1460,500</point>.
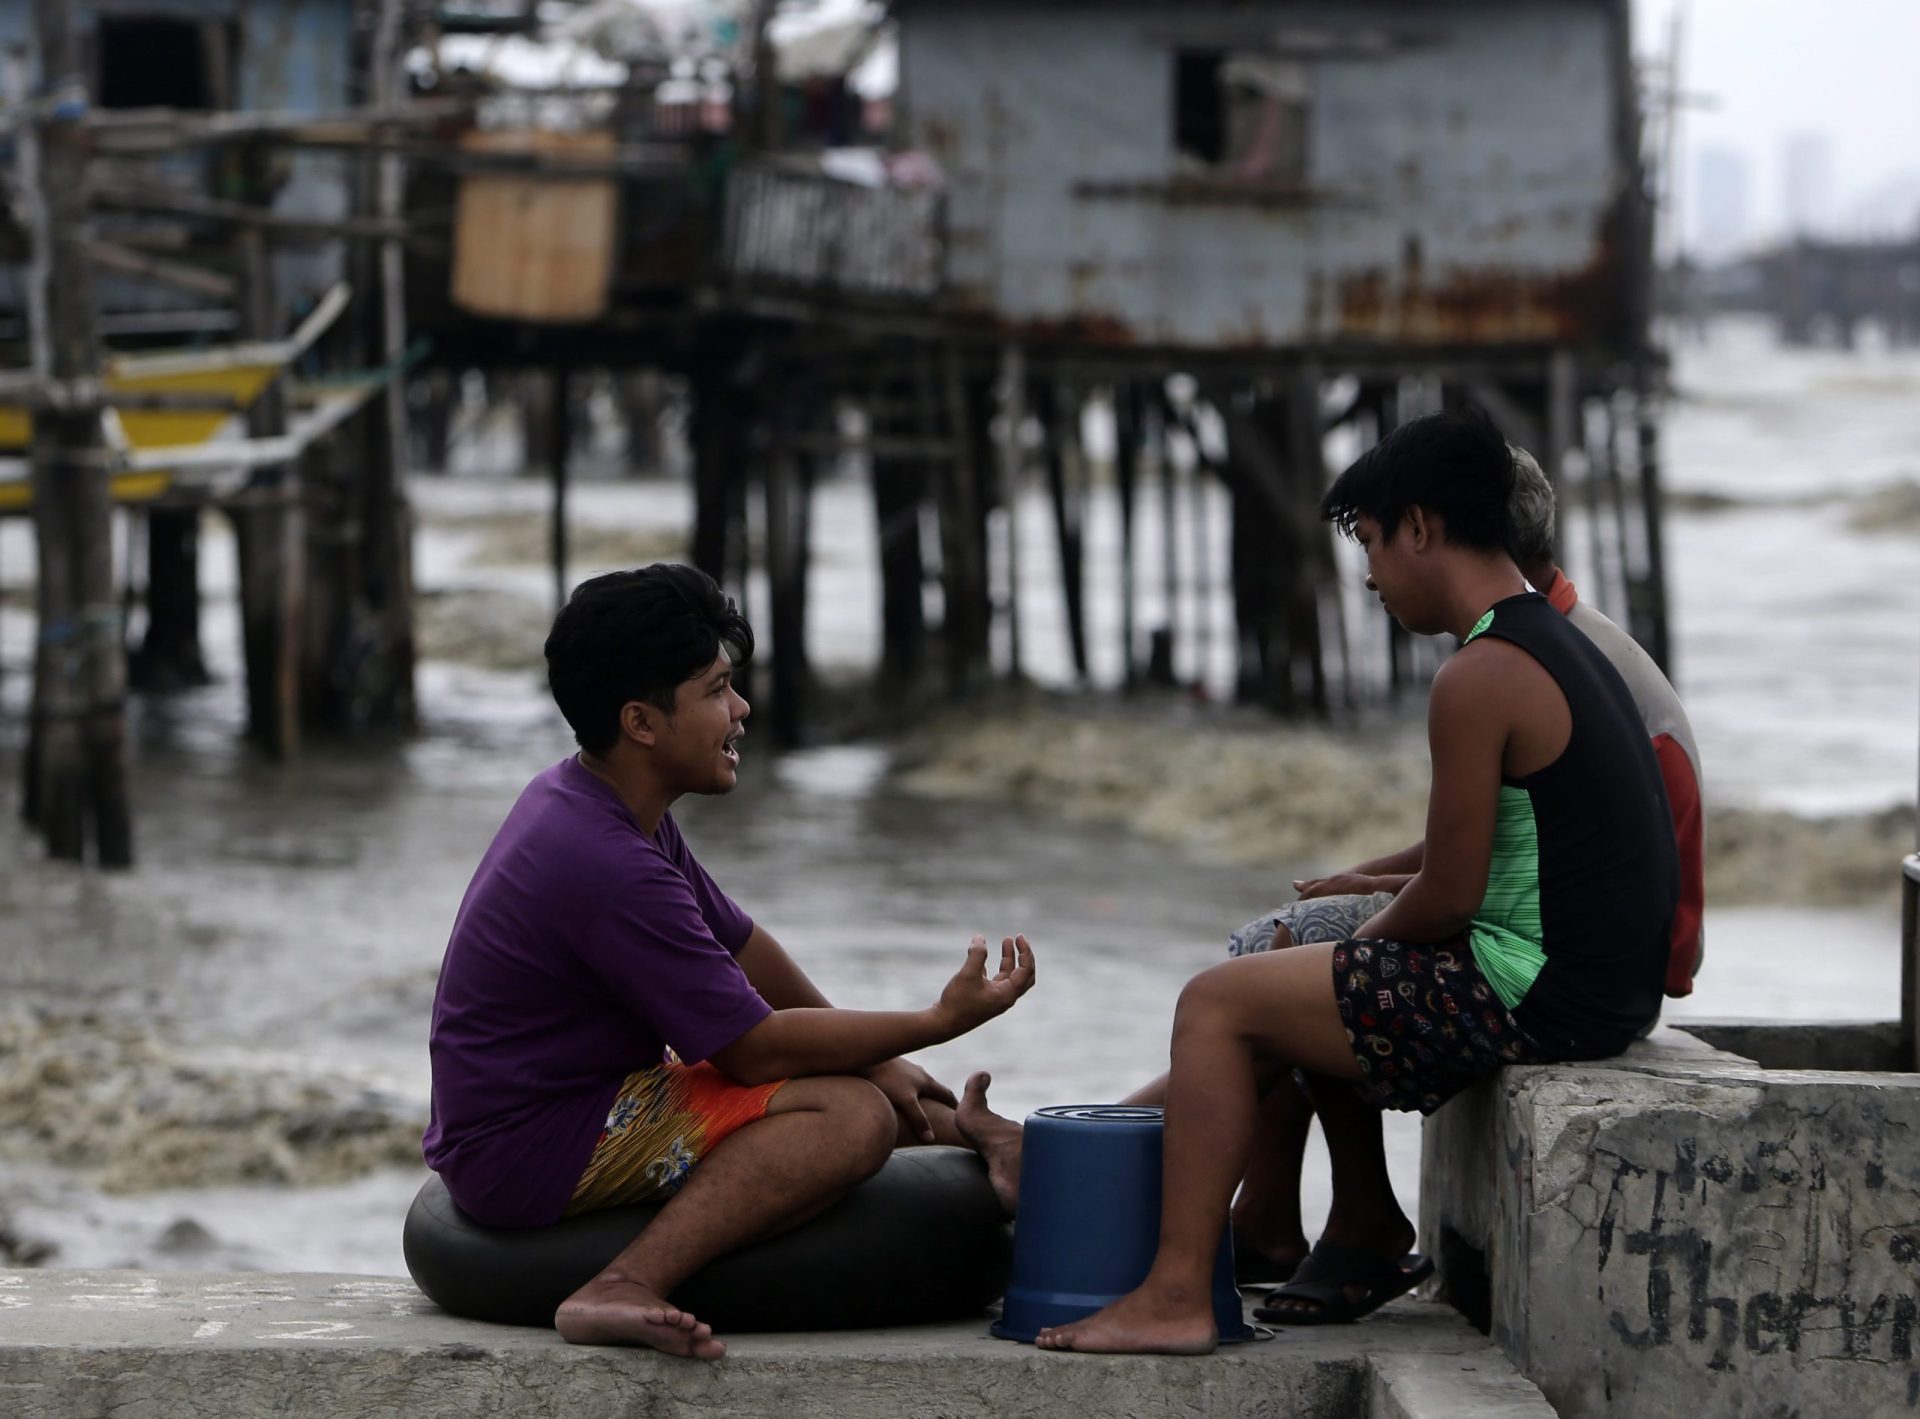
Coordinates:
<point>241,1013</point>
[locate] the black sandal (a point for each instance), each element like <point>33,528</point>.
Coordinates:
<point>1330,1272</point>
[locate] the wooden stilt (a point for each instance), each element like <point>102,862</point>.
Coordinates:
<point>1126,470</point>
<point>1201,557</point>
<point>1058,408</point>
<point>714,435</point>
<point>1654,606</point>
<point>268,521</point>
<point>962,537</point>
<point>559,454</point>
<point>1562,407</point>
<point>78,746</point>
<point>170,656</point>
<point>388,565</point>
<point>1010,461</point>
<point>1307,474</point>
<point>783,487</point>
<point>897,494</point>
<point>1167,653</point>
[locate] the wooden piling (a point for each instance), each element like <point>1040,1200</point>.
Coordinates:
<point>1058,407</point>
<point>1010,466</point>
<point>268,520</point>
<point>1562,397</point>
<point>715,435</point>
<point>77,756</point>
<point>559,454</point>
<point>170,655</point>
<point>1654,606</point>
<point>1126,471</point>
<point>966,630</point>
<point>898,489</point>
<point>785,489</point>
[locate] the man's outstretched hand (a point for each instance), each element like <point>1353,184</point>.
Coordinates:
<point>906,1084</point>
<point>973,997</point>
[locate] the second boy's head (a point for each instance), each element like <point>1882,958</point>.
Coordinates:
<point>641,663</point>
<point>1431,493</point>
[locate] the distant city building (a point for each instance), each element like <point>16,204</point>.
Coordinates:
<point>1806,183</point>
<point>1722,208</point>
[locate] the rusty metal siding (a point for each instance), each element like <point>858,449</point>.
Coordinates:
<point>1462,183</point>
<point>813,232</point>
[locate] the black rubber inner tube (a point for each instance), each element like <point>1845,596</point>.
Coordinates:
<point>922,1240</point>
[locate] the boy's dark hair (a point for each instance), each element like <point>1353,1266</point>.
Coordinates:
<point>1454,463</point>
<point>637,636</point>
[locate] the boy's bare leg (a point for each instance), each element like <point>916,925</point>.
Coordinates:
<point>1277,1006</point>
<point>821,1137</point>
<point>1365,1214</point>
<point>1266,1211</point>
<point>946,1132</point>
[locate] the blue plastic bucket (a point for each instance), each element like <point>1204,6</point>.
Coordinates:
<point>1089,1220</point>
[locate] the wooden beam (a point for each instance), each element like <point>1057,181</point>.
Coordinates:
<point>140,198</point>
<point>117,128</point>
<point>181,275</point>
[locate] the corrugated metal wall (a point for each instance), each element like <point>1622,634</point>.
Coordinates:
<point>1461,173</point>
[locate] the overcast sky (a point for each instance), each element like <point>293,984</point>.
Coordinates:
<point>1848,68</point>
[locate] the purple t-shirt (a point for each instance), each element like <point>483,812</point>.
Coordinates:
<point>583,949</point>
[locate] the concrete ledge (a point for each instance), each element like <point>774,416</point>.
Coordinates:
<point>1683,1230</point>
<point>141,1346</point>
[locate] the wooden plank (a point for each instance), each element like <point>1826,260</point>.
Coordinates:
<point>140,197</point>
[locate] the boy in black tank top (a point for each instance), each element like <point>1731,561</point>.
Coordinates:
<point>1533,927</point>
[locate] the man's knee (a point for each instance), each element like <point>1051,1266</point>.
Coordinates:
<point>1206,997</point>
<point>862,1119</point>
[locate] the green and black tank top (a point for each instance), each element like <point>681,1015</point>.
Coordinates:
<point>1572,932</point>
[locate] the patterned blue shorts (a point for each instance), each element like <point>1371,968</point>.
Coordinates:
<point>1423,1021</point>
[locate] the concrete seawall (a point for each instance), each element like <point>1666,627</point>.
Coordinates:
<point>140,1346</point>
<point>1690,1230</point>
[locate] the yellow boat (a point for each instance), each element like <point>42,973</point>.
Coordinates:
<point>237,373</point>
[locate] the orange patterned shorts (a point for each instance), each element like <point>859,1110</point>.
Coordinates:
<point>663,1121</point>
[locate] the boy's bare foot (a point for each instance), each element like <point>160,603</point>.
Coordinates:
<point>997,1140</point>
<point>610,1311</point>
<point>1142,1322</point>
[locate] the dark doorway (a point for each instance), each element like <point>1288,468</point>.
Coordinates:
<point>152,61</point>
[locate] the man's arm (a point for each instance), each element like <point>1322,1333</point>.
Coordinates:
<point>803,1040</point>
<point>776,975</point>
<point>1383,874</point>
<point>1467,727</point>
<point>784,986</point>
<point>1403,863</point>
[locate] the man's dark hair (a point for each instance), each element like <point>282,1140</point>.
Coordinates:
<point>637,635</point>
<point>1454,463</point>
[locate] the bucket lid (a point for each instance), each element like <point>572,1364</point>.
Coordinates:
<point>1102,1113</point>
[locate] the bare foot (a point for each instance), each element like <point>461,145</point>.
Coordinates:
<point>610,1311</point>
<point>1142,1322</point>
<point>997,1140</point>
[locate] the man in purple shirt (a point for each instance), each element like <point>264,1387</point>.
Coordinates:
<point>610,1027</point>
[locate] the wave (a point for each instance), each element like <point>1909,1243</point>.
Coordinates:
<point>95,1093</point>
<point>1234,787</point>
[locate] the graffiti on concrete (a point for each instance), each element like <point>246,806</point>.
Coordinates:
<point>1805,1270</point>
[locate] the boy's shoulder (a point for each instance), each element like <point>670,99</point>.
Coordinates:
<point>574,828</point>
